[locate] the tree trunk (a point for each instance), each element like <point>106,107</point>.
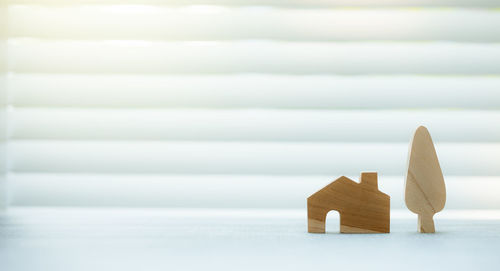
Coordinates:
<point>426,223</point>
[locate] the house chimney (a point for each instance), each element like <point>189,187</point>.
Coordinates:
<point>369,179</point>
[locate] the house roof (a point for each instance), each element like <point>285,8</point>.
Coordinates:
<point>339,181</point>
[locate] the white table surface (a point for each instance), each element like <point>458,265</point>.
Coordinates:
<point>196,239</point>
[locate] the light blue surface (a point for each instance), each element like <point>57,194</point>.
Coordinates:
<point>162,239</point>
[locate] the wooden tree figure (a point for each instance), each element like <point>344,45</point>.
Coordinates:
<point>425,189</point>
<point>362,207</point>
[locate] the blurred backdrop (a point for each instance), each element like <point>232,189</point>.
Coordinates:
<point>244,104</point>
<point>3,104</point>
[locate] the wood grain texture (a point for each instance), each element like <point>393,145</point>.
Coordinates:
<point>362,207</point>
<point>425,192</point>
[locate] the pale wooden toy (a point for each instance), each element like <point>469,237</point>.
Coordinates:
<point>425,189</point>
<point>362,207</point>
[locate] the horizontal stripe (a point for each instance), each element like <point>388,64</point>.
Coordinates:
<point>226,23</point>
<point>219,191</point>
<point>242,157</point>
<point>251,125</point>
<point>3,23</point>
<point>3,55</point>
<point>279,3</point>
<point>52,213</point>
<point>255,91</point>
<point>3,93</point>
<point>31,55</point>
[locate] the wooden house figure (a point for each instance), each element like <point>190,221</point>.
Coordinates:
<point>362,207</point>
